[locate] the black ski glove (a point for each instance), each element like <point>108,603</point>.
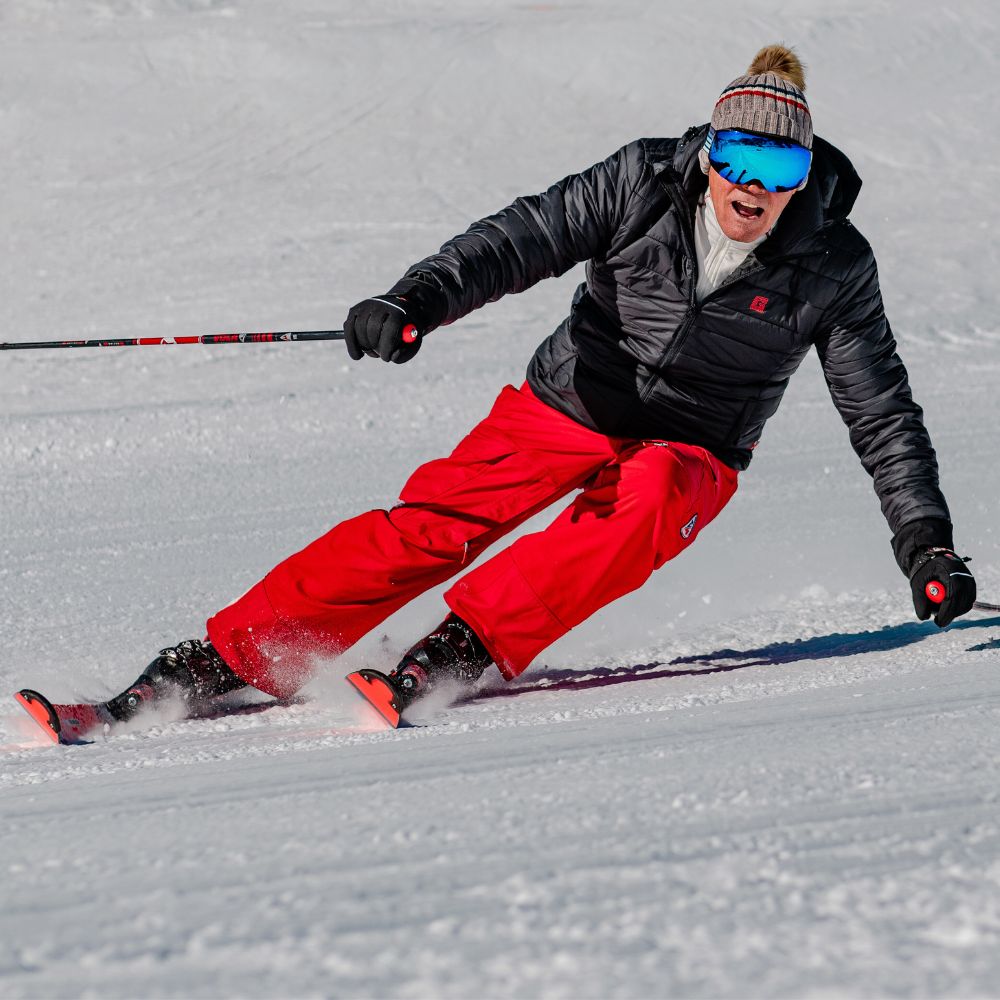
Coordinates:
<point>387,327</point>
<point>942,586</point>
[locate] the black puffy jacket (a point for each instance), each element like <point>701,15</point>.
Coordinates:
<point>640,357</point>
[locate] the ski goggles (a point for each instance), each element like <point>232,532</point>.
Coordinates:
<point>742,157</point>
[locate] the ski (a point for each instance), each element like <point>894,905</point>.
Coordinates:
<point>72,725</point>
<point>66,724</point>
<point>377,691</point>
<point>84,723</point>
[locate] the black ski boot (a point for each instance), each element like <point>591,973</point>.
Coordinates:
<point>191,671</point>
<point>452,651</point>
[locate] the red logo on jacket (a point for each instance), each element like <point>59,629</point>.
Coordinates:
<point>759,303</point>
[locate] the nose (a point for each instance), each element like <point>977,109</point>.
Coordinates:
<point>754,187</point>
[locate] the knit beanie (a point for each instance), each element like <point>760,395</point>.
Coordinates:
<point>769,99</point>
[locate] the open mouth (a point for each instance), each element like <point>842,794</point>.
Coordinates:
<point>745,211</point>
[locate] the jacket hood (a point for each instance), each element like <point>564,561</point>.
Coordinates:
<point>836,181</point>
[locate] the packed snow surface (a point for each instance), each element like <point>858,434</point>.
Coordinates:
<point>758,775</point>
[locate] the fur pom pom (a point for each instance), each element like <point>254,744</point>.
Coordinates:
<point>781,60</point>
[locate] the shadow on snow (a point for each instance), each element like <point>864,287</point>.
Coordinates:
<point>721,661</point>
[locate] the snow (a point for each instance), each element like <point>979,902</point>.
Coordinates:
<point>758,775</point>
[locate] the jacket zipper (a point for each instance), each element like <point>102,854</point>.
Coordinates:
<point>690,258</point>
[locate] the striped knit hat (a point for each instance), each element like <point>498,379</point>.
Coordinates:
<point>769,99</point>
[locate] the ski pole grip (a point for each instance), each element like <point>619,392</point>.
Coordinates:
<point>936,591</point>
<point>410,333</point>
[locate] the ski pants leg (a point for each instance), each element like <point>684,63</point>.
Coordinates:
<point>318,602</point>
<point>642,509</point>
<point>643,503</point>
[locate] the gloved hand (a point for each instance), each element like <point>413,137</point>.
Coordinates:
<point>942,585</point>
<point>388,327</point>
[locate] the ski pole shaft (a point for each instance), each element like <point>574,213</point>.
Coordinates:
<point>209,338</point>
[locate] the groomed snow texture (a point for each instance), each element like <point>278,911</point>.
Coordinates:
<point>760,775</point>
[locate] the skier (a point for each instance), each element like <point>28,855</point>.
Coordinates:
<point>714,263</point>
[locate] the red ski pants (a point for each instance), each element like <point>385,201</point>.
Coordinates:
<point>642,503</point>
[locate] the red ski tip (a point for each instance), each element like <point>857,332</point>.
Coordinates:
<point>67,724</point>
<point>377,691</point>
<point>41,711</point>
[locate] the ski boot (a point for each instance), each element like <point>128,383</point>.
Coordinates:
<point>452,651</point>
<point>191,671</point>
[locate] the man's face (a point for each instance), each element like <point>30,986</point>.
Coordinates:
<point>745,211</point>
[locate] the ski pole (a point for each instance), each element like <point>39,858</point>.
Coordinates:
<point>410,334</point>
<point>209,338</point>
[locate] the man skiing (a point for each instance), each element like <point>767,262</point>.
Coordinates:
<point>714,263</point>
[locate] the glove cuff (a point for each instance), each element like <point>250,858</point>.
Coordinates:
<point>924,556</point>
<point>913,539</point>
<point>425,305</point>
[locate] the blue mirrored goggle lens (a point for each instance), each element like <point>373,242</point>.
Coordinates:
<point>742,157</point>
